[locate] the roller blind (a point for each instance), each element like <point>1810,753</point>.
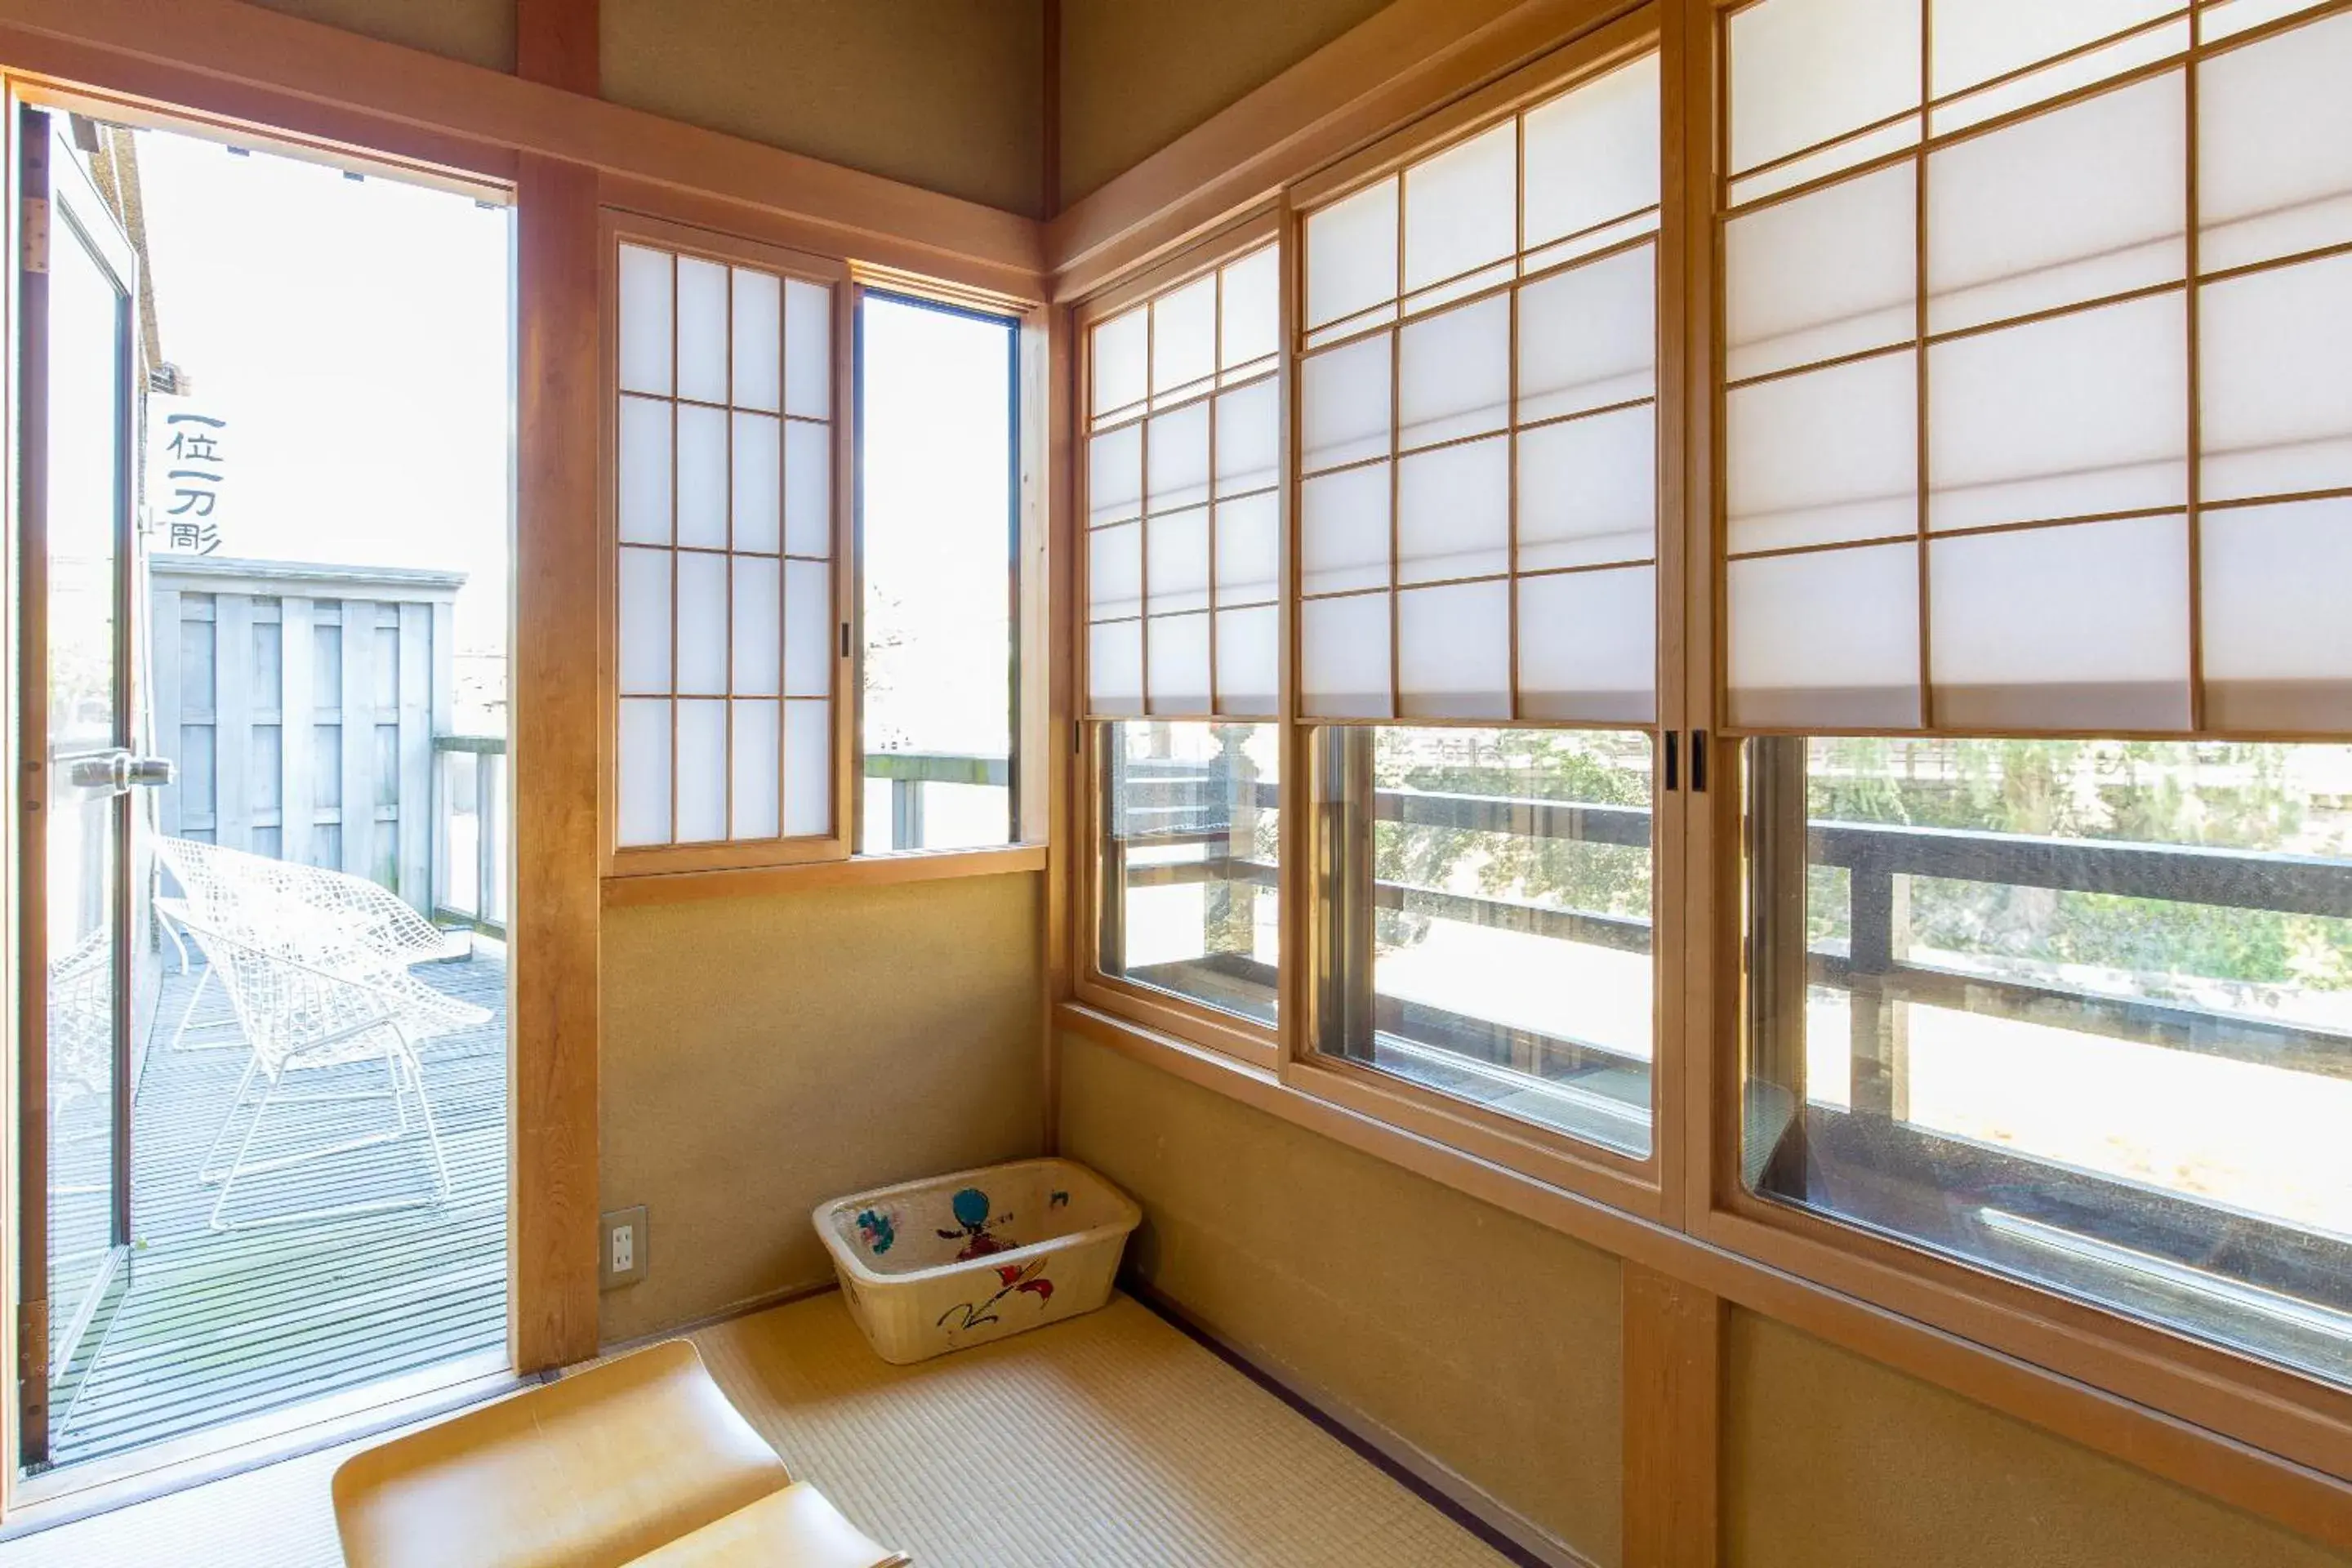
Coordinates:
<point>724,554</point>
<point>1477,423</point>
<point>2035,326</point>
<point>1183,427</point>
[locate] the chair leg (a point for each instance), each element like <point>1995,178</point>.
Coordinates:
<point>207,1173</point>
<point>229,1179</point>
<point>432,1132</point>
<point>404,1068</point>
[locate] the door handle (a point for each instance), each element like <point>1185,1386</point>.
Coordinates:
<point>119,770</point>
<point>149,772</point>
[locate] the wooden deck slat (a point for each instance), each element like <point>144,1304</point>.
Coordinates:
<point>218,1326</point>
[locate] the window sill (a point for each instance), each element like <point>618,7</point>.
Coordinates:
<point>865,870</point>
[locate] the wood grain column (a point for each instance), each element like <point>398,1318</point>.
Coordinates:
<point>1674,1421</point>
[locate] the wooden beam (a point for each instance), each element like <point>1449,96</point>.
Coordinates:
<point>556,42</point>
<point>1674,1421</point>
<point>1409,58</point>
<point>222,58</point>
<point>555,1019</point>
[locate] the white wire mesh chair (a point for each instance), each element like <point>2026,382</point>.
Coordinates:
<point>321,999</point>
<point>259,892</point>
<point>81,1029</point>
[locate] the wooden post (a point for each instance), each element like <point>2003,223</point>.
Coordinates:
<point>556,708</point>
<point>1674,1422</point>
<point>297,728</point>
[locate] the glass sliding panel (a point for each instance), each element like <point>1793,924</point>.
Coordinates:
<point>1489,912</point>
<point>937,507</point>
<point>1187,861</point>
<point>2075,1011</point>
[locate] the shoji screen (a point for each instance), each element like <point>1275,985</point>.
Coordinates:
<point>1478,426</point>
<point>1183,424</point>
<point>2037,318</point>
<point>725,549</point>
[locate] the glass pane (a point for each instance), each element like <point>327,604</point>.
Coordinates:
<point>938,489</point>
<point>1592,154</point>
<point>702,334</point>
<point>759,327</point>
<point>2077,1011</point>
<point>644,347</point>
<point>1190,817</point>
<point>1351,255</point>
<point>1492,911</point>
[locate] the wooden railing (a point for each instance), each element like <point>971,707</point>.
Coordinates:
<point>470,830</point>
<point>909,772</point>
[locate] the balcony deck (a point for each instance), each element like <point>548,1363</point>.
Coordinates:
<point>212,1327</point>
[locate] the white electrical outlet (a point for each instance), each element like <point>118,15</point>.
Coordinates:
<point>624,1261</point>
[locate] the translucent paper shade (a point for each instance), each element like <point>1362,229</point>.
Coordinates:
<point>758,492</point>
<point>1179,668</point>
<point>1981,39</point>
<point>1344,531</point>
<point>757,630</point>
<point>1588,336</point>
<point>645,472</point>
<point>1344,404</point>
<point>1251,307</point>
<point>2278,392</point>
<point>2278,643</point>
<point>2077,627</point>
<point>1453,651</point>
<point>1249,645</point>
<point>1184,336</point>
<point>1248,557</point>
<point>1115,571</point>
<point>1588,491</point>
<point>2076,415</point>
<point>1115,668</point>
<point>1344,656</point>
<point>1804,71</point>
<point>1248,432</point>
<point>1453,373</point>
<point>1115,475</point>
<point>1824,275</point>
<point>1176,457</point>
<point>1588,645</point>
<point>759,339</point>
<point>755,760</point>
<point>808,769</point>
<point>1351,255</point>
<point>1827,640</point>
<point>1825,456</point>
<point>645,617</point>
<point>702,332</point>
<point>808,628</point>
<point>1122,348</point>
<point>808,350</point>
<point>643,744</point>
<point>2274,146</point>
<point>1453,511</point>
<point>702,594</point>
<point>1177,562</point>
<point>702,465</point>
<point>645,332</point>
<point>808,489</point>
<point>1592,154</point>
<point>1458,207</point>
<point>2077,203</point>
<point>701,771</point>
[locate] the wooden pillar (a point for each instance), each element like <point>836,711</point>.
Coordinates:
<point>1674,1422</point>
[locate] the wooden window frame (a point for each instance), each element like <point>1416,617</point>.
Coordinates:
<point>2265,1438</point>
<point>616,227</point>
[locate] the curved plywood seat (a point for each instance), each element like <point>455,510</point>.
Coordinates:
<point>795,1527</point>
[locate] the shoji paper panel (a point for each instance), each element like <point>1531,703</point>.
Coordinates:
<point>1182,474</point>
<point>723,471</point>
<point>2131,351</point>
<point>1505,427</point>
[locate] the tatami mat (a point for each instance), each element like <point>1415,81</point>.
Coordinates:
<point>1112,1441</point>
